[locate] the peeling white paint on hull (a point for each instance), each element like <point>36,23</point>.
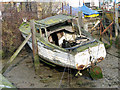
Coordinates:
<point>79,61</point>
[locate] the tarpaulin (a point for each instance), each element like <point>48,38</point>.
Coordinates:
<point>87,12</point>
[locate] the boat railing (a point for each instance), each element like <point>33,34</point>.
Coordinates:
<point>77,46</point>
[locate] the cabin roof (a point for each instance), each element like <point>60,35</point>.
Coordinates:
<point>53,20</point>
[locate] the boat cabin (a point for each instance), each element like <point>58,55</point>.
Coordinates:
<point>61,30</point>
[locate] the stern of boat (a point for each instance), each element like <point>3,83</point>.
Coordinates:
<point>90,56</point>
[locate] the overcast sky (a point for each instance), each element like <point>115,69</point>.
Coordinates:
<point>50,0</point>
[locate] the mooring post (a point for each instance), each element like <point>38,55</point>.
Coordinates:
<point>103,14</point>
<point>80,22</point>
<point>111,35</point>
<point>70,10</point>
<point>62,8</point>
<point>35,48</point>
<point>116,20</point>
<point>101,31</point>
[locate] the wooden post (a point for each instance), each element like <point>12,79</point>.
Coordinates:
<point>30,6</point>
<point>79,21</point>
<point>21,5</point>
<point>103,16</point>
<point>116,22</point>
<point>97,23</point>
<point>101,31</point>
<point>26,6</point>
<point>15,54</point>
<point>34,46</point>
<point>100,28</point>
<point>1,34</point>
<point>70,10</point>
<point>110,33</point>
<point>62,8</point>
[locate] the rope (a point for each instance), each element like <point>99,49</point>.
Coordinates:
<point>61,78</point>
<point>68,70</point>
<point>64,72</point>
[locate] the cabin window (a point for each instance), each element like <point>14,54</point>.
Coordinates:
<point>55,38</point>
<point>43,32</point>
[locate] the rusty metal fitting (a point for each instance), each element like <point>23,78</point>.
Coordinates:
<point>80,67</point>
<point>100,59</point>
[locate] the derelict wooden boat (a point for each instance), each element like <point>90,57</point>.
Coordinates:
<point>60,43</point>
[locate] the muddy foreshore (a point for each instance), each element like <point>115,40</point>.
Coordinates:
<point>22,74</point>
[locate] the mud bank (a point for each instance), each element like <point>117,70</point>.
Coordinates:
<point>22,74</point>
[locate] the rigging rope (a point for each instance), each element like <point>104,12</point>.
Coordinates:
<point>64,72</point>
<point>69,68</point>
<point>62,77</point>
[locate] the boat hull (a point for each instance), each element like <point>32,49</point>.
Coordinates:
<point>79,61</point>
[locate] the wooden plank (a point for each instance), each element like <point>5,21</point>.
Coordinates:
<point>107,28</point>
<point>97,23</point>
<point>35,48</point>
<point>4,83</point>
<point>15,54</point>
<point>79,22</point>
